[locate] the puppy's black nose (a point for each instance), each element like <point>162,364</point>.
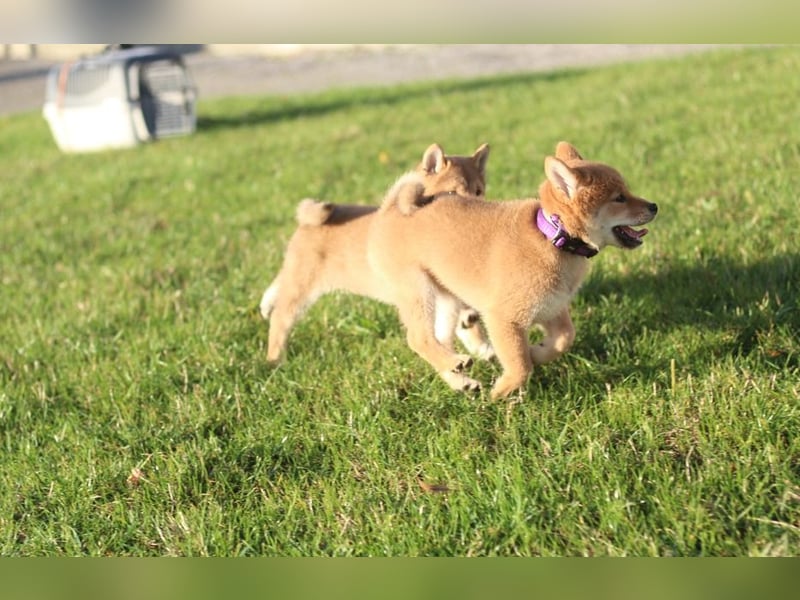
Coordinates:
<point>653,207</point>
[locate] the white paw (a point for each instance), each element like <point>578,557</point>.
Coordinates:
<point>485,351</point>
<point>460,382</point>
<point>463,362</point>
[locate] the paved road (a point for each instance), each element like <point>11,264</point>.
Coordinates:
<point>22,83</point>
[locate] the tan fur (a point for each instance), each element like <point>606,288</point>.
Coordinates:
<point>328,252</point>
<point>491,256</point>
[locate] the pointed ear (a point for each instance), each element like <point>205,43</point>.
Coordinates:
<point>480,157</point>
<point>566,151</point>
<point>561,177</point>
<point>433,160</point>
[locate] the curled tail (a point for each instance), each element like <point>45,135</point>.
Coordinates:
<point>406,195</point>
<point>313,212</point>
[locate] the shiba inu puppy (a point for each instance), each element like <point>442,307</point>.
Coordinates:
<point>328,253</point>
<point>518,263</point>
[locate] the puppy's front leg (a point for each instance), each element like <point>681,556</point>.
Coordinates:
<point>511,345</point>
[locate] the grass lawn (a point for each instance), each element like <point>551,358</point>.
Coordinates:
<point>138,416</point>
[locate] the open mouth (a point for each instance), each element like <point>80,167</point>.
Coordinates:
<point>628,236</point>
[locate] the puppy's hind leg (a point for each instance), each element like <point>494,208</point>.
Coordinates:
<point>454,319</point>
<point>559,335</point>
<point>471,334</point>
<point>268,299</point>
<point>445,319</point>
<point>284,316</point>
<point>417,312</point>
<point>290,302</point>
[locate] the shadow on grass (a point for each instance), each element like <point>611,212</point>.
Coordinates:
<point>338,100</point>
<point>703,313</point>
<point>747,302</point>
<point>708,294</point>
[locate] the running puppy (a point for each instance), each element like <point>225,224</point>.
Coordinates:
<point>328,252</point>
<point>518,263</point>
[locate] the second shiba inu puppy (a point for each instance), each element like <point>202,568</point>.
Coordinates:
<point>518,263</point>
<point>328,252</point>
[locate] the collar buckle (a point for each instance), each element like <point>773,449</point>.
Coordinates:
<point>552,229</point>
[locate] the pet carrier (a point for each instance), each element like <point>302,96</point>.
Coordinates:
<point>119,98</point>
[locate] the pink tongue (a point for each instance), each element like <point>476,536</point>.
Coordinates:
<point>633,233</point>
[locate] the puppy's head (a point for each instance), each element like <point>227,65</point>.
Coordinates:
<point>463,175</point>
<point>593,201</point>
<point>438,174</point>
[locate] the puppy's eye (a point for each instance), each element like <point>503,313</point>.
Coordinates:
<point>620,198</point>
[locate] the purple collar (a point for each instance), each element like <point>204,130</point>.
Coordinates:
<point>553,231</point>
